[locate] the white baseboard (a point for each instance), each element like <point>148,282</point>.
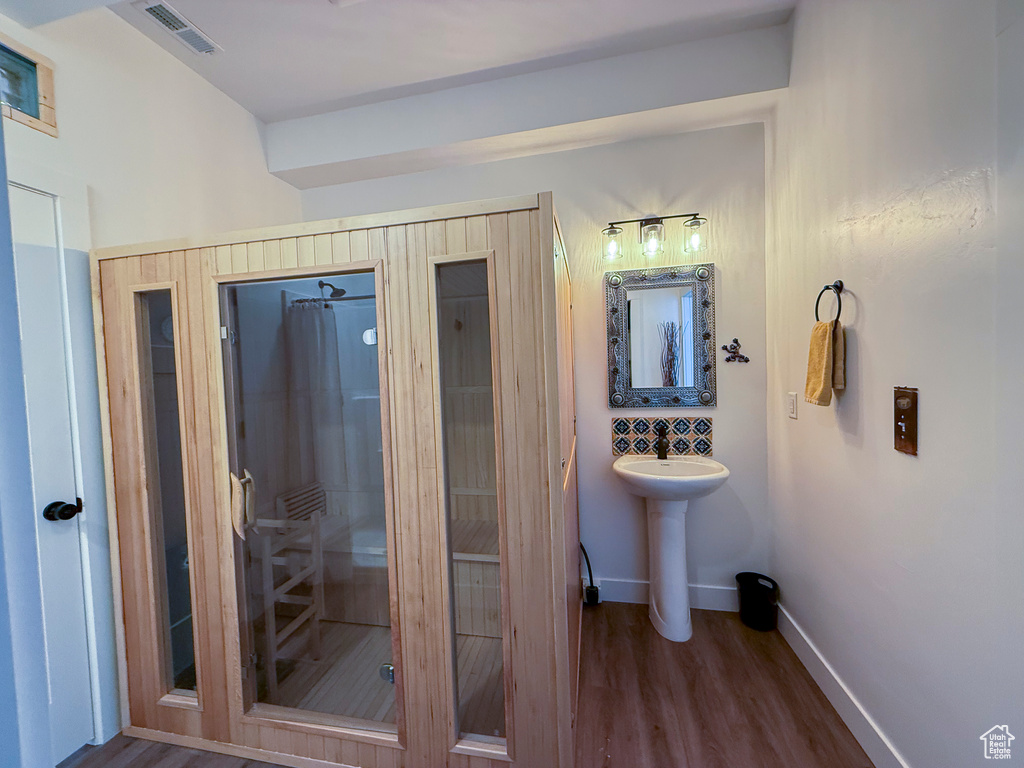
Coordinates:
<point>863,727</point>
<point>709,597</point>
<point>623,591</point>
<point>702,596</point>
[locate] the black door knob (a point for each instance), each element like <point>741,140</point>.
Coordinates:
<point>61,510</point>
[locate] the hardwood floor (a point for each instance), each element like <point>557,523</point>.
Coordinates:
<point>729,698</point>
<point>345,681</point>
<point>125,752</point>
<point>481,694</point>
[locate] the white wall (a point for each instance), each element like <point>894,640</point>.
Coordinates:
<point>163,153</point>
<point>718,172</point>
<point>1009,364</point>
<point>904,571</point>
<point>1010,267</point>
<point>147,150</point>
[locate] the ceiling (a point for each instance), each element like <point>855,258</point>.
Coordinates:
<point>31,13</point>
<point>294,58</point>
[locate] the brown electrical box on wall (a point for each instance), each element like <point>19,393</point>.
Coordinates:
<point>905,416</point>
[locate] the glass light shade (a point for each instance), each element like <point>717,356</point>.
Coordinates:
<point>612,243</point>
<point>696,238</point>
<point>652,236</point>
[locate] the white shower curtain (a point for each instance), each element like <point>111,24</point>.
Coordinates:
<point>316,425</point>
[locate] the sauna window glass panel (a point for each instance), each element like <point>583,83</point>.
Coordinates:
<point>167,495</point>
<point>471,495</point>
<point>304,421</point>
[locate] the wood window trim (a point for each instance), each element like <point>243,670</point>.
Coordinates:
<point>47,120</point>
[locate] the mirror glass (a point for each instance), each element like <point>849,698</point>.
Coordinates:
<point>661,337</point>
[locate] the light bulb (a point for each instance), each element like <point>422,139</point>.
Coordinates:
<point>696,237</point>
<point>652,236</point>
<point>612,248</point>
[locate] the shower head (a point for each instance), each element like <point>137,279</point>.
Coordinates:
<point>336,293</point>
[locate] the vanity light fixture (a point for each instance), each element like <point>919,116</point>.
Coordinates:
<point>652,235</point>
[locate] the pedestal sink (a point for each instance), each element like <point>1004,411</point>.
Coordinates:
<point>668,485</point>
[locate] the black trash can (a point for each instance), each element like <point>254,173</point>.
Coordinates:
<point>759,598</point>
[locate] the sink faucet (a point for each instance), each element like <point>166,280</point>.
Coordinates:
<point>661,444</point>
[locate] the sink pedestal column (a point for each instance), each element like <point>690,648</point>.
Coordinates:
<point>669,606</point>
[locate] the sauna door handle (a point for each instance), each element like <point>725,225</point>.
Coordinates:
<point>237,506</point>
<point>249,497</point>
<point>56,511</point>
<point>243,502</point>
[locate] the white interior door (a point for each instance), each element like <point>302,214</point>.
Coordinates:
<point>55,469</point>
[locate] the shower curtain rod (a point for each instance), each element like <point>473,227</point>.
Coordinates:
<point>336,298</point>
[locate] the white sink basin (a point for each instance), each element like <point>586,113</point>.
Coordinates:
<point>668,485</point>
<point>677,478</point>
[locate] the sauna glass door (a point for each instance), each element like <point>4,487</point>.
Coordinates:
<point>306,429</point>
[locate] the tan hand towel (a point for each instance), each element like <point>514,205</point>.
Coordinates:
<point>838,357</point>
<point>818,390</point>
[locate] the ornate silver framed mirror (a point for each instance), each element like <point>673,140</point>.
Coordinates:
<point>661,337</point>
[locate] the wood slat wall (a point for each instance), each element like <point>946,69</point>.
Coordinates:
<point>567,434</point>
<point>536,598</point>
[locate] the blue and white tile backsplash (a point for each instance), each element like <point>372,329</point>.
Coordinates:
<point>687,435</point>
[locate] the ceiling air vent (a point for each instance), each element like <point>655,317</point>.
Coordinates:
<point>185,31</point>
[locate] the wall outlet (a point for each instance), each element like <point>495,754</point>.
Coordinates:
<point>791,401</point>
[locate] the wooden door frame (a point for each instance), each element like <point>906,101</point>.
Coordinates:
<point>157,704</point>
<point>480,746</point>
<point>155,566</point>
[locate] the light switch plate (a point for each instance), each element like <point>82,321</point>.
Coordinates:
<point>791,400</point>
<point>905,419</point>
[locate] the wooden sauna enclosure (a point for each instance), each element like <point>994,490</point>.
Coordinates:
<point>342,480</point>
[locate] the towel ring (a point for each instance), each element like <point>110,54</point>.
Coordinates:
<point>837,286</point>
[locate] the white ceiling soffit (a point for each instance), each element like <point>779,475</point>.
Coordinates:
<point>667,121</point>
<point>291,59</point>
<point>630,96</point>
<point>32,13</point>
